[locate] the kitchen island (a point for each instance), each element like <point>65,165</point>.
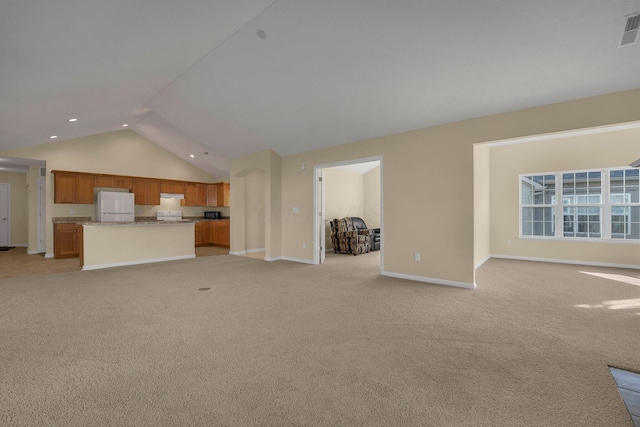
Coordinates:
<point>113,244</point>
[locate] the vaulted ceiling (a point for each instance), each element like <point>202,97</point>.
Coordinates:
<point>232,77</point>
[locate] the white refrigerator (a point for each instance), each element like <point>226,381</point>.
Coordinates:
<point>113,206</point>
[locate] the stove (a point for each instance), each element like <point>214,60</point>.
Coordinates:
<point>169,215</point>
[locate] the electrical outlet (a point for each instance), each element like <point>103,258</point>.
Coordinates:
<point>296,210</point>
<point>508,242</point>
<point>71,210</point>
<point>304,245</point>
<point>416,256</point>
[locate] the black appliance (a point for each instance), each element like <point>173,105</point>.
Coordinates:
<point>212,215</point>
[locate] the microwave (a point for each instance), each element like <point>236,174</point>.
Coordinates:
<point>212,215</point>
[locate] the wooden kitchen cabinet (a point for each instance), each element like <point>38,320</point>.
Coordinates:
<point>218,194</point>
<point>123,182</point>
<point>104,181</point>
<point>67,240</point>
<point>195,194</point>
<point>201,194</point>
<point>147,191</point>
<point>172,186</point>
<point>69,187</point>
<point>222,232</point>
<point>212,232</point>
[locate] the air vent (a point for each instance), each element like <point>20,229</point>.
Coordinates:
<point>630,34</point>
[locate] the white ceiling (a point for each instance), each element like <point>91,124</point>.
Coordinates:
<point>194,76</point>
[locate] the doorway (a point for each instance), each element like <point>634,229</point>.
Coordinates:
<point>4,215</point>
<point>347,189</point>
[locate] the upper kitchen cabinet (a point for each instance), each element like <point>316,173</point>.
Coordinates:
<point>104,181</point>
<point>147,191</point>
<point>176,187</point>
<point>218,194</point>
<point>195,194</point>
<point>70,187</point>
<point>123,182</point>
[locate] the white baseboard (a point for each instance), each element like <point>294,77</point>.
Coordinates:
<point>429,280</point>
<point>48,255</point>
<point>568,261</point>
<point>286,258</point>
<point>487,258</point>
<point>238,253</point>
<point>276,258</point>
<point>255,250</point>
<point>34,253</point>
<point>142,261</point>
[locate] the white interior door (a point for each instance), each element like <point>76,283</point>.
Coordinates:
<point>320,216</point>
<point>41,215</point>
<point>4,214</point>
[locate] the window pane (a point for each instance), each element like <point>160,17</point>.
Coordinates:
<point>582,188</point>
<point>625,222</point>
<point>538,189</point>
<point>538,222</point>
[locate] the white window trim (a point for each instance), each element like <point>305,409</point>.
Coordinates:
<point>605,225</point>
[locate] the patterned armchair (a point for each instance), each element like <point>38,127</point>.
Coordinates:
<point>347,240</point>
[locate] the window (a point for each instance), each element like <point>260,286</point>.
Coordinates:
<point>625,204</point>
<point>594,204</point>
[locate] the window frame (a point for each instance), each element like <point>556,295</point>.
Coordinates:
<point>558,207</point>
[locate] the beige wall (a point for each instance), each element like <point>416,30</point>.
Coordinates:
<point>603,150</point>
<point>254,210</point>
<point>19,211</point>
<point>372,208</point>
<point>481,203</point>
<point>344,196</point>
<point>119,153</point>
<point>270,164</point>
<point>428,174</point>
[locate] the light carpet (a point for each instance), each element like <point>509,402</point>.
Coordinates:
<point>282,343</point>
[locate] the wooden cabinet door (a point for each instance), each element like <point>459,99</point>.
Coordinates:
<point>201,195</point>
<point>189,194</point>
<point>212,194</point>
<point>199,227</point>
<point>172,186</point>
<point>65,241</point>
<point>223,194</point>
<point>64,188</point>
<point>210,232</point>
<point>123,182</point>
<point>153,192</point>
<point>104,180</point>
<point>140,191</point>
<point>222,235</point>
<point>84,189</point>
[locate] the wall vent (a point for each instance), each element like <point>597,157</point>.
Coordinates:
<point>631,28</point>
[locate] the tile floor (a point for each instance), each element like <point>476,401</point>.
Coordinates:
<point>629,388</point>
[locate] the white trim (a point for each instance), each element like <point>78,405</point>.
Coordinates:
<point>34,253</point>
<point>142,261</point>
<point>238,253</point>
<point>276,258</point>
<point>565,134</point>
<point>429,280</point>
<point>8,186</point>
<point>286,258</point>
<point>568,261</point>
<point>254,250</point>
<point>48,255</point>
<point>478,265</point>
<point>316,169</point>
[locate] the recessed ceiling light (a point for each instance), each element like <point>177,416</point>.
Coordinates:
<point>192,156</point>
<point>73,120</point>
<point>53,136</point>
<point>125,125</point>
<point>262,34</point>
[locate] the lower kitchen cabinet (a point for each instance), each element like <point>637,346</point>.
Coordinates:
<point>214,232</point>
<point>67,240</point>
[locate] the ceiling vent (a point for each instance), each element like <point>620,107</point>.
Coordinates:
<point>630,34</point>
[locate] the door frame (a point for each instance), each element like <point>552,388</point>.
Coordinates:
<point>318,210</point>
<point>8,222</point>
